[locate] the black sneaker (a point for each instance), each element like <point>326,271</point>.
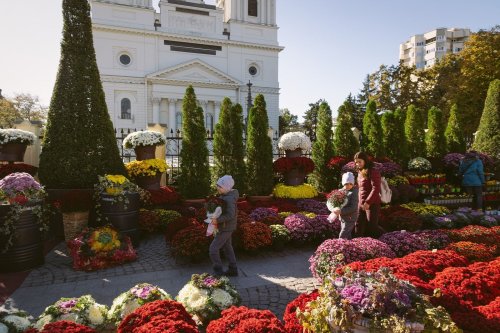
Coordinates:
<point>231,271</point>
<point>218,272</point>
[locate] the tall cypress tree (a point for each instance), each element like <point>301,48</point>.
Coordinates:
<point>390,137</point>
<point>79,142</point>
<point>194,181</point>
<point>238,167</point>
<point>454,134</point>
<point>260,178</point>
<point>372,140</point>
<point>400,151</point>
<point>434,139</point>
<point>344,141</point>
<point>222,141</point>
<point>322,151</point>
<point>488,136</point>
<point>414,132</point>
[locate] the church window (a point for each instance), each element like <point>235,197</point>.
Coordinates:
<point>252,70</point>
<point>252,8</point>
<point>178,121</point>
<point>126,109</point>
<point>125,59</point>
<point>209,123</point>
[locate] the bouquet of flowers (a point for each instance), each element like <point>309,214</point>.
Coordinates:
<point>82,310</point>
<point>214,206</point>
<point>63,326</point>
<point>242,319</point>
<point>157,317</point>
<point>143,138</point>
<point>100,248</point>
<point>419,164</point>
<point>335,199</point>
<point>376,300</point>
<point>146,167</point>
<point>294,140</point>
<point>11,135</point>
<point>134,298</point>
<point>14,322</point>
<point>205,296</point>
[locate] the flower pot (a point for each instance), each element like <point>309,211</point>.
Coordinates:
<point>294,177</point>
<point>293,153</point>
<point>12,152</point>
<point>149,182</point>
<point>27,249</point>
<point>144,152</point>
<point>74,223</point>
<point>124,217</point>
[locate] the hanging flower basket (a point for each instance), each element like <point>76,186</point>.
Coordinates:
<point>145,152</point>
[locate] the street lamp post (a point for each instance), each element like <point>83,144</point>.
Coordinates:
<point>249,102</point>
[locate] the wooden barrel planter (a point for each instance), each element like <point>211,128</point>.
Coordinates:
<point>125,218</point>
<point>293,153</point>
<point>12,152</point>
<point>294,177</point>
<point>26,251</point>
<point>144,152</point>
<point>149,182</point>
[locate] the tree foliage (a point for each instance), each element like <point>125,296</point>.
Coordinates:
<point>435,141</point>
<point>311,119</point>
<point>288,122</point>
<point>22,106</point>
<point>79,142</point>
<point>488,136</point>
<point>194,181</point>
<point>322,151</point>
<point>372,141</point>
<point>414,132</point>
<point>393,136</point>
<point>344,141</point>
<point>260,177</point>
<point>454,137</point>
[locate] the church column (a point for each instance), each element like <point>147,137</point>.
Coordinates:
<point>272,13</point>
<point>263,11</point>
<point>156,110</point>
<point>216,112</point>
<point>204,105</point>
<point>171,114</point>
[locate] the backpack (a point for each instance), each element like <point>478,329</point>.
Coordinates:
<point>385,191</point>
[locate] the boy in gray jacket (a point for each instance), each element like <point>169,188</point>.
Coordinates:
<point>226,225</point>
<point>348,211</point>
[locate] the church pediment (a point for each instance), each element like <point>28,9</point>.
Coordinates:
<point>195,71</point>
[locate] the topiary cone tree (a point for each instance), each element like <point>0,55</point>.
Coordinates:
<point>238,167</point>
<point>434,139</point>
<point>454,135</point>
<point>399,146</point>
<point>79,142</point>
<point>488,136</point>
<point>344,141</point>
<point>260,178</point>
<point>323,178</point>
<point>414,132</point>
<point>194,181</point>
<point>372,131</point>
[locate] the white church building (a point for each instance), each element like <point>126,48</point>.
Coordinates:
<point>147,59</point>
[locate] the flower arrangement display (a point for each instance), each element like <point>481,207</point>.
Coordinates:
<point>7,169</point>
<point>292,324</point>
<point>254,236</point>
<point>261,213</point>
<point>164,196</point>
<point>115,185</point>
<point>14,322</point>
<point>279,235</point>
<point>206,296</point>
<point>304,191</point>
<point>191,242</point>
<point>159,316</point>
<point>287,164</point>
<point>242,319</point>
<point>431,178</point>
<point>294,140</point>
<point>100,248</point>
<point>63,326</point>
<point>426,209</point>
<point>300,227</point>
<point>475,234</point>
<point>403,243</point>
<point>491,314</point>
<point>419,164</point>
<point>452,160</point>
<point>11,135</point>
<point>473,251</point>
<point>395,218</point>
<point>376,300</point>
<point>445,222</point>
<point>313,206</point>
<point>132,299</point>
<point>337,162</point>
<point>82,310</point>
<point>146,168</point>
<point>397,180</point>
<point>143,138</point>
<point>334,253</point>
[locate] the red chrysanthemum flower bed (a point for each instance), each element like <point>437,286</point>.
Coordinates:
<point>337,162</point>
<point>244,320</point>
<point>473,251</point>
<point>191,242</point>
<point>63,326</point>
<point>475,234</point>
<point>292,324</point>
<point>254,236</point>
<point>491,311</point>
<point>179,224</point>
<point>148,220</point>
<point>151,316</point>
<point>165,195</point>
<point>286,164</point>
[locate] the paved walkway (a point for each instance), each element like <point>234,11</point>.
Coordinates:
<point>268,280</point>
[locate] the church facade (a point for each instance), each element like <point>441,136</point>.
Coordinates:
<point>147,59</point>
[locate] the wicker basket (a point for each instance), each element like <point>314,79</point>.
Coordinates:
<point>74,223</point>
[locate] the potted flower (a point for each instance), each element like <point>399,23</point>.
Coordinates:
<point>21,222</point>
<point>294,169</point>
<point>14,321</point>
<point>294,143</point>
<point>144,143</point>
<point>419,164</point>
<point>280,236</point>
<point>118,202</point>
<point>13,144</point>
<point>147,173</point>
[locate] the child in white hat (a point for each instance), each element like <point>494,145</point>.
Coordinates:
<point>348,211</point>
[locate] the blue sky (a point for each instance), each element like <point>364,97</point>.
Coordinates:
<point>330,45</point>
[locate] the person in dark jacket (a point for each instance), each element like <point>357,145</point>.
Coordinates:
<point>226,225</point>
<point>368,197</point>
<point>348,211</point>
<point>471,170</point>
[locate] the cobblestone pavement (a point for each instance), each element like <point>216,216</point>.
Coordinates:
<point>267,280</point>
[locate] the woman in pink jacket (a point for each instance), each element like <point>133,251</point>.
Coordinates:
<point>369,197</point>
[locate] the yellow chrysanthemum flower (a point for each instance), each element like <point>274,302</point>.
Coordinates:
<point>304,191</point>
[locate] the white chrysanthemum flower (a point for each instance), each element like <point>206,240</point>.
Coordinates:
<point>20,323</point>
<point>118,302</point>
<point>164,294</point>
<point>193,297</point>
<point>3,328</point>
<point>143,138</point>
<point>95,313</point>
<point>69,317</point>
<point>43,321</point>
<point>294,140</point>
<point>129,307</point>
<point>222,298</point>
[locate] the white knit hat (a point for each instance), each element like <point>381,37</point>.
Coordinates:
<point>226,183</point>
<point>347,177</point>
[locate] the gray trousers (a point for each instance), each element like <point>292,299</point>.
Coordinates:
<point>477,196</point>
<point>347,226</point>
<point>222,241</point>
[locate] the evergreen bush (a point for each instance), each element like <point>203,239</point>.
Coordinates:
<point>488,136</point>
<point>454,135</point>
<point>435,141</point>
<point>344,141</point>
<point>372,131</point>
<point>323,177</point>
<point>414,132</point>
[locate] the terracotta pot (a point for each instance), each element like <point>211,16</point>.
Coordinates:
<point>293,153</point>
<point>149,182</point>
<point>12,152</point>
<point>125,218</point>
<point>294,177</point>
<point>26,251</point>
<point>144,152</point>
